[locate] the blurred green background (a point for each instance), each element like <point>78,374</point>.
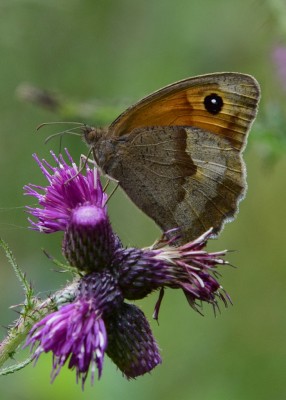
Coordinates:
<point>116,52</point>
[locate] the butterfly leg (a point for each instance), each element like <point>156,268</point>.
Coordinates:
<point>158,305</point>
<point>86,159</point>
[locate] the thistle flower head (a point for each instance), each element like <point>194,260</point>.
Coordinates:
<point>68,190</point>
<point>75,333</point>
<point>76,204</point>
<point>188,267</point>
<point>97,321</point>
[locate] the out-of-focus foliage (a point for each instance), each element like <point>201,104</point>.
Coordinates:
<point>94,53</point>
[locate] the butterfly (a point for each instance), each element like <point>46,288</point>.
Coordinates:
<point>177,153</point>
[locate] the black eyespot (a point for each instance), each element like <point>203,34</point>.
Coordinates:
<point>213,103</point>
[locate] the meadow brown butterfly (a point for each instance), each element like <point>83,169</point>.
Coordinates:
<point>177,153</point>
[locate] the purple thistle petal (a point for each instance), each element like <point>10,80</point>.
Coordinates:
<point>76,333</point>
<point>67,190</point>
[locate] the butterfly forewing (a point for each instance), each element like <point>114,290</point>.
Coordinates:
<point>182,104</point>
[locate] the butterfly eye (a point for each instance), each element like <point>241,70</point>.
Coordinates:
<point>213,103</point>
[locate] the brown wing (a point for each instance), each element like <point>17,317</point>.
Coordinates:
<point>179,156</point>
<point>183,104</point>
<point>181,177</point>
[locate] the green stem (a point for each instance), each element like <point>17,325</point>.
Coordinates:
<point>21,327</point>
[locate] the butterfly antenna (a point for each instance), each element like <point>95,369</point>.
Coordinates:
<point>58,122</point>
<point>62,133</point>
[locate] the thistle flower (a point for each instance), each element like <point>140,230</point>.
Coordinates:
<point>98,320</point>
<point>188,267</point>
<point>75,332</point>
<point>74,203</point>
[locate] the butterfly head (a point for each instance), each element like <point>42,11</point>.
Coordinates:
<point>92,135</point>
